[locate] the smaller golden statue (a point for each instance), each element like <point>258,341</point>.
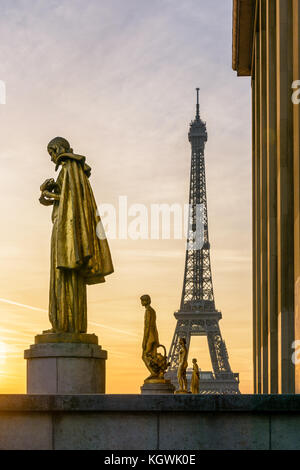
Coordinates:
<point>195,378</point>
<point>183,364</point>
<point>156,363</point>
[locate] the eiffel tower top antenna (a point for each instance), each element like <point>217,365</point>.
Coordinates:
<point>197,105</point>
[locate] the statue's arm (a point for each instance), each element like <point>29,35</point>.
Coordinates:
<point>46,202</point>
<point>48,196</point>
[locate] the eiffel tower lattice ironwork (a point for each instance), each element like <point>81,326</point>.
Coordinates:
<point>197,315</point>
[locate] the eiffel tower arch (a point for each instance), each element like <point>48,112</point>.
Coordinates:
<point>197,315</point>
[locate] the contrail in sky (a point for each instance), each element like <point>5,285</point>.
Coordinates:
<point>11,302</point>
<point>30,307</point>
<point>113,329</point>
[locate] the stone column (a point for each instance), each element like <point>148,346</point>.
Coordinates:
<point>263,197</point>
<point>285,195</point>
<point>256,176</point>
<point>253,240</point>
<point>272,198</point>
<point>65,363</point>
<point>296,109</point>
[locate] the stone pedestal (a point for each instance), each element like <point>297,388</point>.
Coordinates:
<point>65,364</point>
<point>158,388</point>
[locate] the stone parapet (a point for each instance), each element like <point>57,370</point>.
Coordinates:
<point>149,422</point>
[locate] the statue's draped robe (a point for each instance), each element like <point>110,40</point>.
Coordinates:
<point>80,254</point>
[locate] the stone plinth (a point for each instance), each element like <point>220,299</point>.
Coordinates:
<point>65,367</point>
<point>158,388</point>
<point>66,338</point>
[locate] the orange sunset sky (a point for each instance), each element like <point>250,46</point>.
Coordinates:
<point>117,79</point>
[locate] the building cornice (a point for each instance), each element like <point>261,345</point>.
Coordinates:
<point>242,36</point>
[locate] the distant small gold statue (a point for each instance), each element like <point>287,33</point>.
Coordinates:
<point>80,253</point>
<point>195,378</point>
<point>155,362</point>
<point>183,364</point>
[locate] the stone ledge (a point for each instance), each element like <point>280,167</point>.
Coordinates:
<point>159,403</point>
<point>43,350</point>
<point>84,338</point>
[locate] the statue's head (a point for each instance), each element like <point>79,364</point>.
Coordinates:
<point>145,300</point>
<point>194,361</point>
<point>182,341</point>
<point>57,146</point>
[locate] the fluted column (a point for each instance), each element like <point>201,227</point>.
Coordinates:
<point>256,176</point>
<point>285,194</point>
<point>253,239</point>
<point>263,196</point>
<point>296,116</point>
<point>272,197</point>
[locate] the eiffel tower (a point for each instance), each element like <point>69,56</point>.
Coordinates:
<point>197,315</point>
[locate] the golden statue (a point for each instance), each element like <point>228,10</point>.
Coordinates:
<point>181,372</point>
<point>195,378</point>
<point>155,362</point>
<point>80,254</point>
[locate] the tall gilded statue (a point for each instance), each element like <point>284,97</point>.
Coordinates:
<point>183,363</point>
<point>80,254</point>
<point>195,378</point>
<point>155,362</point>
